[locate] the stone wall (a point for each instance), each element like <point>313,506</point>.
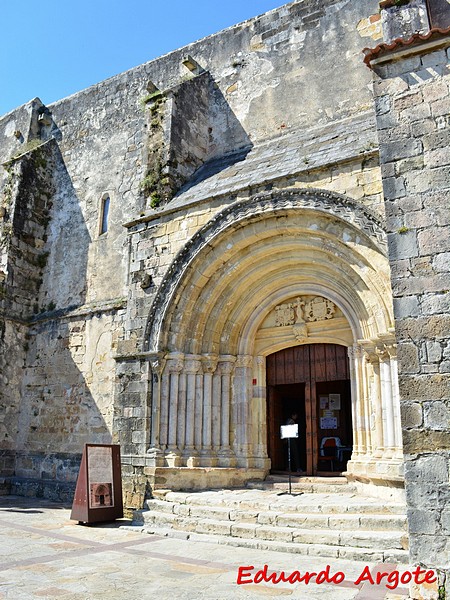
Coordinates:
<point>77,343</point>
<point>413,115</point>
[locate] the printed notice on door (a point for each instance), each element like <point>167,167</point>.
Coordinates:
<point>100,476</point>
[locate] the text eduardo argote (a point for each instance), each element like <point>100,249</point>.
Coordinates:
<point>390,579</point>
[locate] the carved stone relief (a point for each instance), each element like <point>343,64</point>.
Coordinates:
<point>301,310</point>
<point>319,309</point>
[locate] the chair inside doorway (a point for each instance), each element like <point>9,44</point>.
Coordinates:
<point>329,452</point>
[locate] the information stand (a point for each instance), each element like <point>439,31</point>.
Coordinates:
<point>288,432</point>
<point>98,495</point>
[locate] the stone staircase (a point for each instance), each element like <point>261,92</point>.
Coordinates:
<point>322,518</point>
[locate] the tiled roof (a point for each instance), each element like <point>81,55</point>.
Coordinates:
<point>414,40</point>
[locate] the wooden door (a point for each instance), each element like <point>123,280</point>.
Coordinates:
<point>299,379</point>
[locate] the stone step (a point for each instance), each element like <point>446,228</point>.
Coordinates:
<point>381,540</point>
<point>352,521</point>
<point>255,502</point>
<point>303,483</point>
<point>317,550</point>
<point>337,524</point>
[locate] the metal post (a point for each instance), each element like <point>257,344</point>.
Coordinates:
<point>289,465</point>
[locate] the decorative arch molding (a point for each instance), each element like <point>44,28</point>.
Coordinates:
<point>214,321</point>
<point>246,213</point>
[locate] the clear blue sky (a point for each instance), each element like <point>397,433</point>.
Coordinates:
<point>55,48</point>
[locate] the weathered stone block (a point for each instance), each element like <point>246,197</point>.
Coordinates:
<point>437,415</point>
<point>412,414</point>
<point>434,240</point>
<point>433,351</point>
<point>422,521</point>
<point>435,304</point>
<point>403,245</point>
<point>409,358</point>
<point>400,149</point>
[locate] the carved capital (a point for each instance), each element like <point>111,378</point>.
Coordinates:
<point>209,363</point>
<point>260,361</point>
<point>226,368</point>
<point>226,364</point>
<point>175,362</point>
<point>192,364</point>
<point>157,364</point>
<point>381,352</point>
<point>392,350</point>
<point>244,360</point>
<point>355,352</point>
<point>369,349</point>
<point>389,343</point>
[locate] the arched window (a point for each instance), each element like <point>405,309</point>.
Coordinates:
<point>104,214</point>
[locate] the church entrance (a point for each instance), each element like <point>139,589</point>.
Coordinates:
<point>310,384</point>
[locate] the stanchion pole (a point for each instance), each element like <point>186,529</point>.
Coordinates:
<point>289,465</point>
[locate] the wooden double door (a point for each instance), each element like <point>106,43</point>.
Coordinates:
<point>312,382</point>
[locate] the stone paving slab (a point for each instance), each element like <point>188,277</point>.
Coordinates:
<point>44,555</point>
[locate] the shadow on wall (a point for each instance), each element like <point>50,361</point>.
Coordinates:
<point>58,413</point>
<point>227,143</point>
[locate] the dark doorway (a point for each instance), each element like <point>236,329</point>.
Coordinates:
<point>285,400</point>
<point>312,381</point>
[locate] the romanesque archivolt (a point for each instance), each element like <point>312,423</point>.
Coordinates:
<point>298,312</point>
<point>251,210</point>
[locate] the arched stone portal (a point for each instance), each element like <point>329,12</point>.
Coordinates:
<point>215,321</point>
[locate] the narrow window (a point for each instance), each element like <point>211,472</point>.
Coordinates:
<point>105,212</point>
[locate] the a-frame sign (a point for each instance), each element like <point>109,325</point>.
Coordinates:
<point>98,495</point>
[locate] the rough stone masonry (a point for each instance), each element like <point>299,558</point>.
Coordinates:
<point>411,88</point>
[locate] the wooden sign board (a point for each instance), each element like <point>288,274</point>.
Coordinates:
<point>98,495</point>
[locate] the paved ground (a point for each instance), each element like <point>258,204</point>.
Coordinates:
<point>47,556</point>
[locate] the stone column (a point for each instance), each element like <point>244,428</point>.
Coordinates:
<point>207,455</point>
<point>191,368</point>
<point>181,414</point>
<point>155,452</point>
<point>354,355</point>
<point>386,401</point>
<point>175,366</point>
<point>225,454</point>
<point>198,417</point>
<point>241,409</point>
<point>216,408</point>
<point>259,407</point>
<point>164,408</point>
<point>375,397</point>
<point>396,402</point>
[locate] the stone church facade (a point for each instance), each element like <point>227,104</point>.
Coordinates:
<point>258,219</point>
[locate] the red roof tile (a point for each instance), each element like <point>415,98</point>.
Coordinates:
<point>414,40</point>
